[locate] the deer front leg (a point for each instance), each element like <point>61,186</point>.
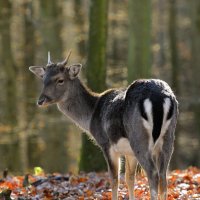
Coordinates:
<point>113,166</point>
<point>131,164</point>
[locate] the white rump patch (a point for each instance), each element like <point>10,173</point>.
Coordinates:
<point>165,125</point>
<point>166,107</point>
<point>148,124</point>
<point>148,107</point>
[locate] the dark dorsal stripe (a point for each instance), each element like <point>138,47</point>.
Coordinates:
<point>171,109</point>
<point>157,116</point>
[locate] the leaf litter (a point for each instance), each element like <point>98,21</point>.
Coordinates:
<point>182,185</point>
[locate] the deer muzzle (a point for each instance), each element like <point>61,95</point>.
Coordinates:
<point>43,100</point>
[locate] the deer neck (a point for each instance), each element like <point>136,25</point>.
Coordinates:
<point>79,104</point>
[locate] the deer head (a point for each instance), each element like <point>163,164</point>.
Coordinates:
<point>57,79</point>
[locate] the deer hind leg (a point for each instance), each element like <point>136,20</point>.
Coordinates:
<point>163,186</point>
<point>162,164</point>
<point>152,175</point>
<point>131,164</point>
<point>159,159</point>
<point>112,159</point>
<point>163,160</point>
<point>147,163</point>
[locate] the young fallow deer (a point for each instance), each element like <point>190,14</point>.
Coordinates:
<point>137,122</point>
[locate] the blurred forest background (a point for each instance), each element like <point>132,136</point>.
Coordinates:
<point>134,39</point>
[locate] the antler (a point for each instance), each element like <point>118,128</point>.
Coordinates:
<point>49,58</point>
<point>66,60</point>
<point>63,63</point>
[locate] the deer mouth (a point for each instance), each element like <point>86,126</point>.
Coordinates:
<point>44,101</point>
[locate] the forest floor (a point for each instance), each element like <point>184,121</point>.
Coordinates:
<point>182,185</point>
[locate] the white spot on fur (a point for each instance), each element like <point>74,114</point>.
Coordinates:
<point>166,107</point>
<point>148,124</point>
<point>122,147</point>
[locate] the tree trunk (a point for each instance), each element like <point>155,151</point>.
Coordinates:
<point>29,58</point>
<point>175,70</point>
<point>51,18</point>
<point>25,89</point>
<point>173,45</point>
<point>139,54</point>
<point>91,156</point>
<point>161,58</point>
<point>9,108</point>
<point>80,20</point>
<point>8,63</point>
<point>96,66</point>
<point>195,42</point>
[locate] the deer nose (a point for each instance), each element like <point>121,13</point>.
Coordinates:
<point>41,100</point>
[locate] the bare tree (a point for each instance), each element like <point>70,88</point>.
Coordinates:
<point>96,76</point>
<point>139,53</point>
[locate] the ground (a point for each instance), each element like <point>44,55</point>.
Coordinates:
<point>182,185</point>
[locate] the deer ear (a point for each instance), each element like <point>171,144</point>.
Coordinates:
<point>74,70</point>
<point>38,71</point>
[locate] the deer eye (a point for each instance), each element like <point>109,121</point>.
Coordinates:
<point>60,81</point>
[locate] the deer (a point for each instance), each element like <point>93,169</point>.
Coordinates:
<point>137,122</point>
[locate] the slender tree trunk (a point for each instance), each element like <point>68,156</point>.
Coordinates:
<point>161,60</point>
<point>195,42</point>
<point>79,19</point>
<point>9,68</point>
<point>139,53</point>
<point>51,18</point>
<point>25,89</point>
<point>8,64</point>
<point>22,124</point>
<point>96,67</point>
<point>91,157</point>
<point>51,15</point>
<point>29,57</point>
<point>173,45</point>
<point>175,70</point>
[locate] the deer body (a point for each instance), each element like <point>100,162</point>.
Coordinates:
<point>137,122</point>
